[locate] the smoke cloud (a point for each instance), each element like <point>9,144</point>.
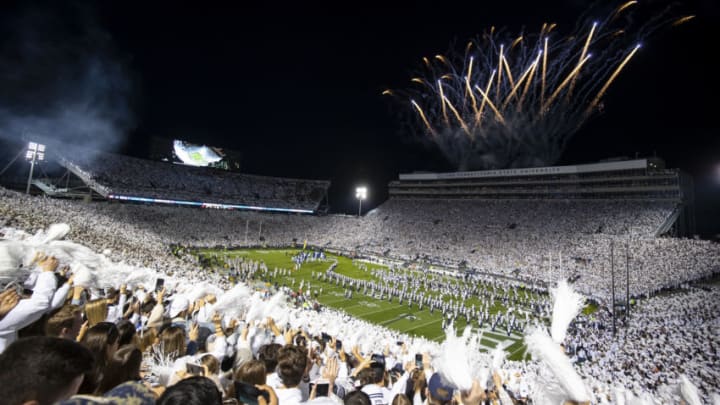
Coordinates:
<point>62,82</point>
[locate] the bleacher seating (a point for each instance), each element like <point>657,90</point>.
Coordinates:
<point>117,175</point>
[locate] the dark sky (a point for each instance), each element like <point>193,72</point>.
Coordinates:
<point>296,88</point>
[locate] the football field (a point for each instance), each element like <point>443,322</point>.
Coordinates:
<point>400,317</point>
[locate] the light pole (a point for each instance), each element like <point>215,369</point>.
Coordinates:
<point>627,278</point>
<point>612,280</point>
<point>632,240</point>
<point>35,152</point>
<point>360,194</point>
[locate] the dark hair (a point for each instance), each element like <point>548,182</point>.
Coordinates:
<point>36,328</point>
<point>147,307</point>
<point>268,354</point>
<point>98,338</point>
<point>123,366</point>
<point>191,391</point>
<point>111,293</point>
<point>378,372</point>
<point>357,398</point>
<point>251,372</point>
<point>63,318</point>
<point>291,365</point>
<point>126,330</point>
<point>366,376</point>
<point>416,383</point>
<point>40,368</point>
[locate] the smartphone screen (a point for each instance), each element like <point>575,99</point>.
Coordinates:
<point>159,284</point>
<point>419,360</point>
<point>195,369</point>
<point>322,390</point>
<point>338,345</point>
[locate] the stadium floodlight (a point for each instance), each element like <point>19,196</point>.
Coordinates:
<point>360,194</point>
<point>35,153</point>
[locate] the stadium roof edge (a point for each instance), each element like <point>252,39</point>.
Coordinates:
<point>531,171</point>
<point>66,153</point>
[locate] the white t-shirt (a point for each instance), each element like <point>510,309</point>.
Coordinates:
<point>378,395</point>
<point>289,396</point>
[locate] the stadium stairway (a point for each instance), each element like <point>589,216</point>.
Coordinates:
<point>669,221</point>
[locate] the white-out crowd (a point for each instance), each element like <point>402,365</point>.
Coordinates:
<point>529,240</point>
<point>669,336</point>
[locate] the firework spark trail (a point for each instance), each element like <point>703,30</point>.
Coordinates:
<point>498,106</point>
<point>602,91</point>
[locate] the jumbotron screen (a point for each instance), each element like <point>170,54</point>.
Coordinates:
<point>197,155</point>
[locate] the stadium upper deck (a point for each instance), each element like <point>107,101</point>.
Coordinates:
<point>634,180</point>
<point>126,178</point>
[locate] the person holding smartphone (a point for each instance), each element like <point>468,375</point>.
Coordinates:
<point>323,389</point>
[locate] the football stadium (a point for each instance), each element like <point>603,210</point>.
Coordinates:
<point>468,259</point>
<point>486,255</point>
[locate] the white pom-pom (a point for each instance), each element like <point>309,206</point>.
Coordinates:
<point>255,309</point>
<point>141,277</point>
<point>452,364</point>
<point>550,353</point>
<point>715,398</point>
<point>55,232</point>
<point>83,276</point>
<point>276,308</point>
<point>160,364</point>
<point>498,357</point>
<point>195,292</point>
<point>483,376</point>
<point>11,257</point>
<point>71,251</point>
<point>567,306</point>
<point>689,391</point>
<point>234,302</point>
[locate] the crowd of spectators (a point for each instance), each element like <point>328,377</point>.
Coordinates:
<point>533,241</point>
<point>666,338</point>
<point>193,343</point>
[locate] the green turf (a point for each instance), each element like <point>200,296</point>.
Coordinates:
<point>391,315</point>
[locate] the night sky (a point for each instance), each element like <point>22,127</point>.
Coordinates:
<point>296,89</point>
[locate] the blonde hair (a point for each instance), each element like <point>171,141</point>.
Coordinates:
<point>146,340</point>
<point>172,342</point>
<point>211,362</point>
<point>96,311</point>
<point>401,399</point>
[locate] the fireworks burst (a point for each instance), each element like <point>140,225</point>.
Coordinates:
<point>516,100</point>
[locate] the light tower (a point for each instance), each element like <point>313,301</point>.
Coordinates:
<point>35,153</point>
<point>360,194</point>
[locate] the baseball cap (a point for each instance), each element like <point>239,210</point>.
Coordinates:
<point>178,305</point>
<point>439,388</point>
